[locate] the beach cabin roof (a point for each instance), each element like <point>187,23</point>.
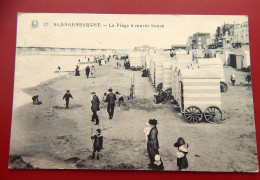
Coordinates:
<point>198,74</point>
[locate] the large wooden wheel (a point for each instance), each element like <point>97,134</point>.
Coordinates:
<point>193,114</point>
<point>223,87</point>
<point>213,114</point>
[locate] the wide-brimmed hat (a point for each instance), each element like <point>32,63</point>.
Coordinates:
<point>93,92</point>
<point>179,142</point>
<point>153,121</point>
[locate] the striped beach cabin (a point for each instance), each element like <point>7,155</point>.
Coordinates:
<point>198,95</point>
<point>216,65</point>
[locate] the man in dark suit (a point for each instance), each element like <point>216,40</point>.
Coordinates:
<point>111,101</point>
<point>95,107</point>
<point>87,71</point>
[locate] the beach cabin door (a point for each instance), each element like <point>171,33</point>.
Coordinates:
<point>233,62</point>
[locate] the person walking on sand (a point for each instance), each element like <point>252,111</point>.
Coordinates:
<point>67,97</point>
<point>77,71</point>
<point>93,72</point>
<point>87,71</point>
<point>153,143</point>
<point>181,153</point>
<point>94,108</point>
<point>97,144</point>
<point>111,101</point>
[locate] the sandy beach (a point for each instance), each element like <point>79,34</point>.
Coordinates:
<point>52,137</point>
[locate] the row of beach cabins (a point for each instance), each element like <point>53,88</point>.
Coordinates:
<point>195,82</point>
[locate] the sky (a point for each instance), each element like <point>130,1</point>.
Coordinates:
<point>111,31</point>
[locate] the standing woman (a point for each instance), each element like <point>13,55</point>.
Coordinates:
<point>153,143</point>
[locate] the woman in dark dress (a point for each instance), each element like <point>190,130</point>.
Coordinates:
<point>152,143</point>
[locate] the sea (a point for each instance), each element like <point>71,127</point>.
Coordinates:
<point>34,69</point>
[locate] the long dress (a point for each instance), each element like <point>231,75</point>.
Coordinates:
<point>153,144</point>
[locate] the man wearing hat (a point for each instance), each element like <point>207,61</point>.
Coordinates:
<point>67,97</point>
<point>95,107</point>
<point>152,144</point>
<point>98,144</point>
<point>111,101</point>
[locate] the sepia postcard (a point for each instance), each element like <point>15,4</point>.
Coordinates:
<point>133,92</point>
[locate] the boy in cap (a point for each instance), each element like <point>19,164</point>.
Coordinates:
<point>111,101</point>
<point>98,144</point>
<point>67,97</point>
<point>95,107</point>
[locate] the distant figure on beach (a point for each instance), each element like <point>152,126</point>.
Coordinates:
<point>87,71</point>
<point>79,60</point>
<point>93,72</point>
<point>97,144</point>
<point>94,108</point>
<point>58,68</point>
<point>67,97</point>
<point>181,153</point>
<point>88,59</point>
<point>233,78</point>
<point>131,96</point>
<point>248,78</point>
<point>77,71</point>
<point>110,99</point>
<point>36,100</point>
<point>157,164</point>
<point>99,62</point>
<point>120,98</point>
<point>152,143</point>
<point>147,131</point>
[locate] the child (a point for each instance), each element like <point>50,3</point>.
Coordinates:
<point>67,97</point>
<point>147,131</point>
<point>182,161</point>
<point>35,99</point>
<point>131,92</point>
<point>233,78</point>
<point>104,97</point>
<point>157,164</point>
<point>98,144</point>
<point>120,98</point>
